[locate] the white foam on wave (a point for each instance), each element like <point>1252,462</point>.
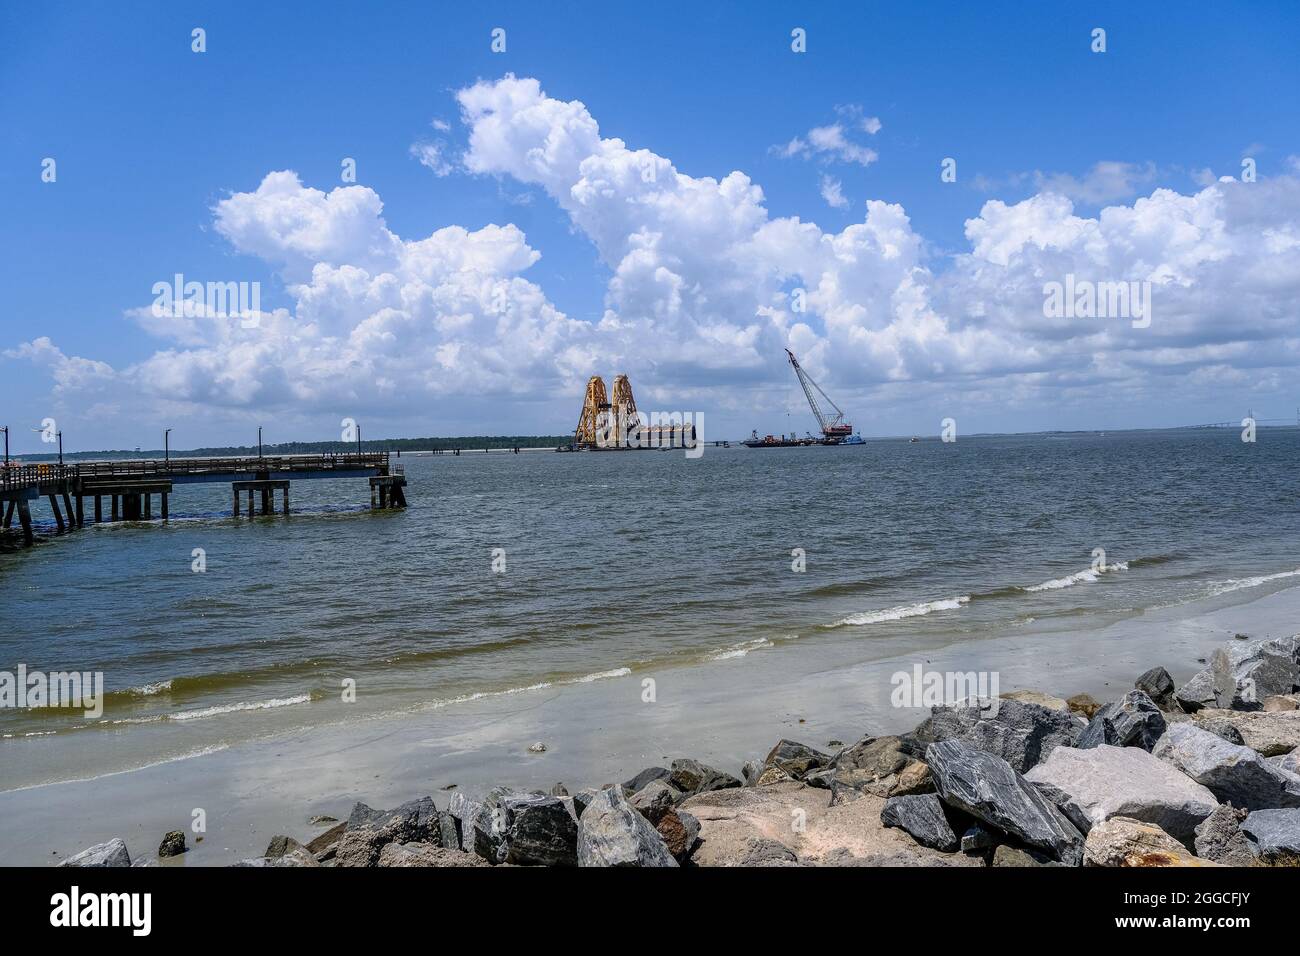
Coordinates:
<point>738,650</point>
<point>1237,584</point>
<point>1086,576</point>
<point>600,675</point>
<point>903,611</point>
<point>218,709</point>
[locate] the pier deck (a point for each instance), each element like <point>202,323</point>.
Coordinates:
<point>131,484</point>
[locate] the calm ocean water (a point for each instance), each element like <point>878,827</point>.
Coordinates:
<point>616,563</point>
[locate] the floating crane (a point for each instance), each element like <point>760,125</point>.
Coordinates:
<point>834,429</point>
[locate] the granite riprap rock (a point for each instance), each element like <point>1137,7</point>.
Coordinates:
<point>985,786</point>
<point>325,845</point>
<point>1008,855</point>
<point>1050,701</point>
<point>362,814</point>
<point>1219,838</point>
<point>1217,725</point>
<point>1289,762</point>
<point>1132,721</point>
<point>881,766</point>
<point>922,816</point>
<point>645,776</point>
<point>692,777</point>
<point>173,844</point>
<point>1281,702</point>
<point>1104,782</point>
<point>540,830</point>
<point>1121,841</point>
<point>680,831</point>
<point>1020,733</point>
<point>612,833</point>
<point>1246,673</point>
<point>1236,775</point>
<point>463,810</point>
<point>1271,733</point>
<point>413,822</point>
<point>1274,836</point>
<point>280,845</point>
<point>655,799</point>
<point>1159,686</point>
<point>796,759</point>
<point>977,837</point>
<point>112,853</point>
<point>1085,705</point>
<point>776,824</point>
<point>1197,692</point>
<point>426,855</point>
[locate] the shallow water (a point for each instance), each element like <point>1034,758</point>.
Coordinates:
<point>614,564</point>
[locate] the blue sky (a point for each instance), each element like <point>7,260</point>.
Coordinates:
<point>150,137</point>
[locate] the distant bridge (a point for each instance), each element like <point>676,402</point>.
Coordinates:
<point>130,486</point>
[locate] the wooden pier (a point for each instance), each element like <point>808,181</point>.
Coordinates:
<point>130,486</point>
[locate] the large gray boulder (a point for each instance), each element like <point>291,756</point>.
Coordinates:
<point>1246,673</point>
<point>881,766</point>
<point>488,828</point>
<point>412,822</point>
<point>463,810</point>
<point>540,830</point>
<point>986,787</point>
<point>1274,836</point>
<point>1219,838</point>
<point>692,777</point>
<point>612,833</point>
<point>1272,734</point>
<point>1020,733</point>
<point>1197,692</point>
<point>1236,775</point>
<point>644,777</point>
<point>1132,721</point>
<point>922,817</point>
<point>1105,781</point>
<point>655,799</point>
<point>112,853</point>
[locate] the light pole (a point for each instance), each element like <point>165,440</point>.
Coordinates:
<point>358,441</point>
<point>259,441</point>
<point>166,446</point>
<point>60,436</point>
<point>5,429</point>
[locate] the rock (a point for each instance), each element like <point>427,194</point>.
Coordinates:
<point>986,787</point>
<point>1274,836</point>
<point>1083,704</point>
<point>1049,701</point>
<point>612,833</point>
<point>750,771</point>
<point>692,777</point>
<point>488,831</point>
<point>743,826</point>
<point>448,831</point>
<point>1021,734</point>
<point>559,790</point>
<point>655,799</point>
<point>323,819</point>
<point>1218,726</point>
<point>1132,721</point>
<point>644,777</point>
<point>463,810</point>
<point>877,756</point>
<point>1290,763</point>
<point>112,853</point>
<point>796,759</point>
<point>425,854</point>
<point>1271,733</point>
<point>582,799</point>
<point>1245,674</point>
<point>1219,838</point>
<point>537,748</point>
<point>173,844</point>
<point>1280,703</point>
<point>362,814</point>
<point>1121,841</point>
<point>923,818</point>
<point>1236,775</point>
<point>279,846</point>
<point>1104,782</point>
<point>539,830</point>
<point>298,857</point>
<point>882,766</point>
<point>1008,855</point>
<point>413,822</point>
<point>1159,686</point>
<point>680,831</point>
<point>325,846</point>
<point>977,838</point>
<point>1197,692</point>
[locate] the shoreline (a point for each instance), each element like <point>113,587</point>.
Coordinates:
<point>723,713</point>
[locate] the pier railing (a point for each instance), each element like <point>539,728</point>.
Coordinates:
<point>251,464</point>
<point>15,477</point>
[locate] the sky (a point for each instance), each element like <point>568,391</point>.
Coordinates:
<point>670,191</point>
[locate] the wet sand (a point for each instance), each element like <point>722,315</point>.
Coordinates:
<point>723,712</point>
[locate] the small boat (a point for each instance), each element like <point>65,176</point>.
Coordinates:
<point>913,439</point>
<point>853,440</point>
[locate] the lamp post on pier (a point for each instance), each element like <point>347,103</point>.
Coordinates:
<point>259,441</point>
<point>5,429</point>
<point>166,447</point>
